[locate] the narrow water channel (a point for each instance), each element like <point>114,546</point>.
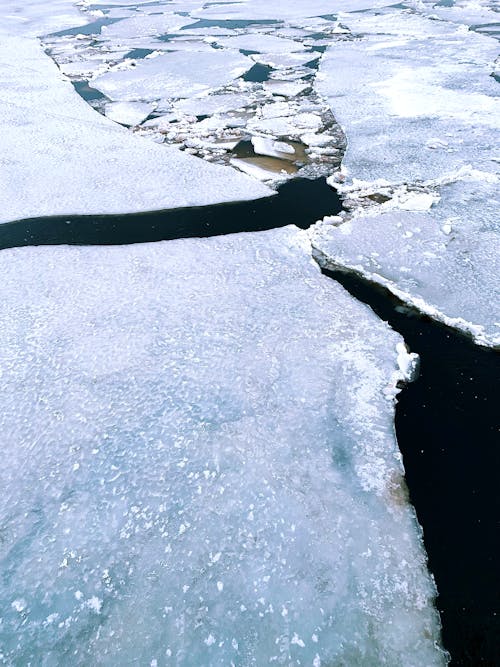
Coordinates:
<point>446,421</point>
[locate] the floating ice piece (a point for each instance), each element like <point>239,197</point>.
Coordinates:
<point>209,104</point>
<point>285,88</point>
<point>261,43</point>
<point>284,60</point>
<point>152,25</point>
<point>175,75</point>
<point>129,113</point>
<point>60,157</point>
<point>191,413</point>
<point>405,82</point>
<point>264,168</point>
<point>273,148</point>
<point>445,261</point>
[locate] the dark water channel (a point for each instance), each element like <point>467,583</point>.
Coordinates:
<point>446,421</point>
<point>299,202</point>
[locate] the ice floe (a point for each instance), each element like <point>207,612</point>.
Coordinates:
<point>60,157</point>
<point>441,255</point>
<point>419,178</point>
<point>176,75</point>
<point>199,464</point>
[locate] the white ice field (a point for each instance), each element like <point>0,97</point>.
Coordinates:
<point>199,459</point>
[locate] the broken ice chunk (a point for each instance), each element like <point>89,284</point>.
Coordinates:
<point>129,113</point>
<point>175,75</point>
<point>193,366</point>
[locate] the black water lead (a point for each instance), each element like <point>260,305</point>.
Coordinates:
<point>300,202</point>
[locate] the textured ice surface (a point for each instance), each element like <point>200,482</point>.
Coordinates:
<point>419,107</point>
<point>406,83</point>
<point>444,260</point>
<point>176,74</point>
<point>129,113</point>
<point>283,9</point>
<point>60,157</point>
<point>199,463</point>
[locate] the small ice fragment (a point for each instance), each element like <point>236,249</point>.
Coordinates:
<point>220,586</point>
<point>297,640</point>
<point>210,640</point>
<point>95,604</point>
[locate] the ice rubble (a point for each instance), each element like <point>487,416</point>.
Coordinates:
<point>418,106</point>
<point>199,462</point>
<point>60,157</point>
<point>163,54</point>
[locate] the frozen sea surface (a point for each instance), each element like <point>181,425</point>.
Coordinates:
<point>199,462</point>
<point>60,157</point>
<point>421,113</point>
<point>444,260</point>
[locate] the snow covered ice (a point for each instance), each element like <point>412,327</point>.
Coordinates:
<point>66,159</point>
<point>420,110</point>
<point>199,462</point>
<point>441,261</point>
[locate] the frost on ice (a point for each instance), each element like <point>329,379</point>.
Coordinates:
<point>421,114</point>
<point>445,261</point>
<point>66,159</point>
<point>199,462</point>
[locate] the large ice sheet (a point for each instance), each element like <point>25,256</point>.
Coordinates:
<point>59,157</point>
<point>421,115</point>
<point>33,17</point>
<point>414,96</point>
<point>473,13</point>
<point>199,465</point>
<point>148,25</point>
<point>175,75</point>
<point>283,9</point>
<point>444,260</point>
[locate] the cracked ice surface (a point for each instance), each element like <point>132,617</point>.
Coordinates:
<point>419,107</point>
<point>199,463</point>
<point>444,260</point>
<point>414,96</point>
<point>60,157</point>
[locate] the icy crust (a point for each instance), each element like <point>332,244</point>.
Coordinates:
<point>283,9</point>
<point>173,75</point>
<point>199,464</point>
<point>441,257</point>
<point>419,176</point>
<point>414,97</point>
<point>59,157</point>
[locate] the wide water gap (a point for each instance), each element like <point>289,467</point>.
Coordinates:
<point>445,421</point>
